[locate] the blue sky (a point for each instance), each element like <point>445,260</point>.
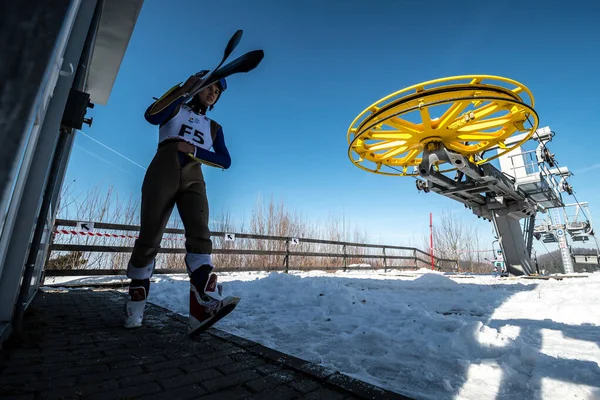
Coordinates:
<point>285,123</point>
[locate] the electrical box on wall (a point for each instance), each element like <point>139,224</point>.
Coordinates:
<point>77,105</point>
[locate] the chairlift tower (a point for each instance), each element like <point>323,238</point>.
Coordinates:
<point>446,132</point>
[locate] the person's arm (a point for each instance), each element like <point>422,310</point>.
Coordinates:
<point>220,158</point>
<point>165,107</point>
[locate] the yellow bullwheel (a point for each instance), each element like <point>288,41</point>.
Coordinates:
<point>468,115</point>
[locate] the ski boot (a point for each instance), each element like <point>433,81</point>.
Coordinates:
<point>207,305</point>
<point>139,287</point>
<point>135,307</point>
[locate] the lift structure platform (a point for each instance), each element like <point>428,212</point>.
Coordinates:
<point>446,133</point>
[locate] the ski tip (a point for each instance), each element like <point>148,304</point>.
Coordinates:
<point>237,36</point>
<point>234,41</point>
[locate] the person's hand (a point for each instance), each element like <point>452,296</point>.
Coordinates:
<point>185,147</point>
<point>191,82</point>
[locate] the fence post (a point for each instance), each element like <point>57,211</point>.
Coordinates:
<point>287,255</point>
<point>48,253</point>
<point>384,261</point>
<point>416,260</point>
<point>345,260</point>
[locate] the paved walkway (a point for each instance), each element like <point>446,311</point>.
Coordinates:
<point>74,347</point>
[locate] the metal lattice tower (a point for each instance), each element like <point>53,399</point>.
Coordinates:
<point>565,252</point>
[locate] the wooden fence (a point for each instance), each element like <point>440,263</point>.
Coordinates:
<point>417,258</point>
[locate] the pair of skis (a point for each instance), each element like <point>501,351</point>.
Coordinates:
<point>242,64</point>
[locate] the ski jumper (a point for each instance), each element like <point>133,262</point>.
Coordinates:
<point>175,179</point>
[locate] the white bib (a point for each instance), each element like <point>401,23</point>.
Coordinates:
<point>188,126</point>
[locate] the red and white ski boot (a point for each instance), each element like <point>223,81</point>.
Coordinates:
<point>207,305</point>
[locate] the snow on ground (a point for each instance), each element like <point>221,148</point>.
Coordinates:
<point>425,335</point>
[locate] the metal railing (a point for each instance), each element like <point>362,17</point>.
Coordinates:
<point>417,259</point>
<point>533,166</point>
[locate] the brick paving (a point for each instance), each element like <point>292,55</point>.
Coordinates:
<point>73,346</point>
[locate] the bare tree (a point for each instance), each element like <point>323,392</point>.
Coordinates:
<point>454,239</point>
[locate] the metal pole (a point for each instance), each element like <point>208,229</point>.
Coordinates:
<point>431,240</point>
<point>287,256</point>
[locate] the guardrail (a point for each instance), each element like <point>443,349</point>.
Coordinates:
<point>416,257</point>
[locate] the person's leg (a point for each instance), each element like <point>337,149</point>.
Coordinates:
<point>206,303</point>
<point>159,190</point>
<point>192,205</point>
